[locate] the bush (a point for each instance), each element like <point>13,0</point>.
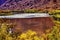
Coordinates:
<point>5,35</point>
<point>29,35</point>
<point>55,34</point>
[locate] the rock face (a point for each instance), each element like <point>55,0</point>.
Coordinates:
<point>30,4</point>
<point>40,25</point>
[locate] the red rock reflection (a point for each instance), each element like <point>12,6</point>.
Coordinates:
<point>36,24</point>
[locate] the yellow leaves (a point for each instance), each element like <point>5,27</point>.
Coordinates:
<point>3,25</point>
<point>42,38</point>
<point>30,33</point>
<point>23,36</point>
<point>31,10</point>
<point>54,34</point>
<point>8,37</point>
<point>3,28</point>
<point>56,15</point>
<point>36,38</point>
<point>56,10</point>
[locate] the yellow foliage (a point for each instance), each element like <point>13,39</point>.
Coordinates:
<point>23,36</point>
<point>8,37</point>
<point>29,35</point>
<point>31,11</point>
<point>42,38</point>
<point>36,38</point>
<point>56,11</point>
